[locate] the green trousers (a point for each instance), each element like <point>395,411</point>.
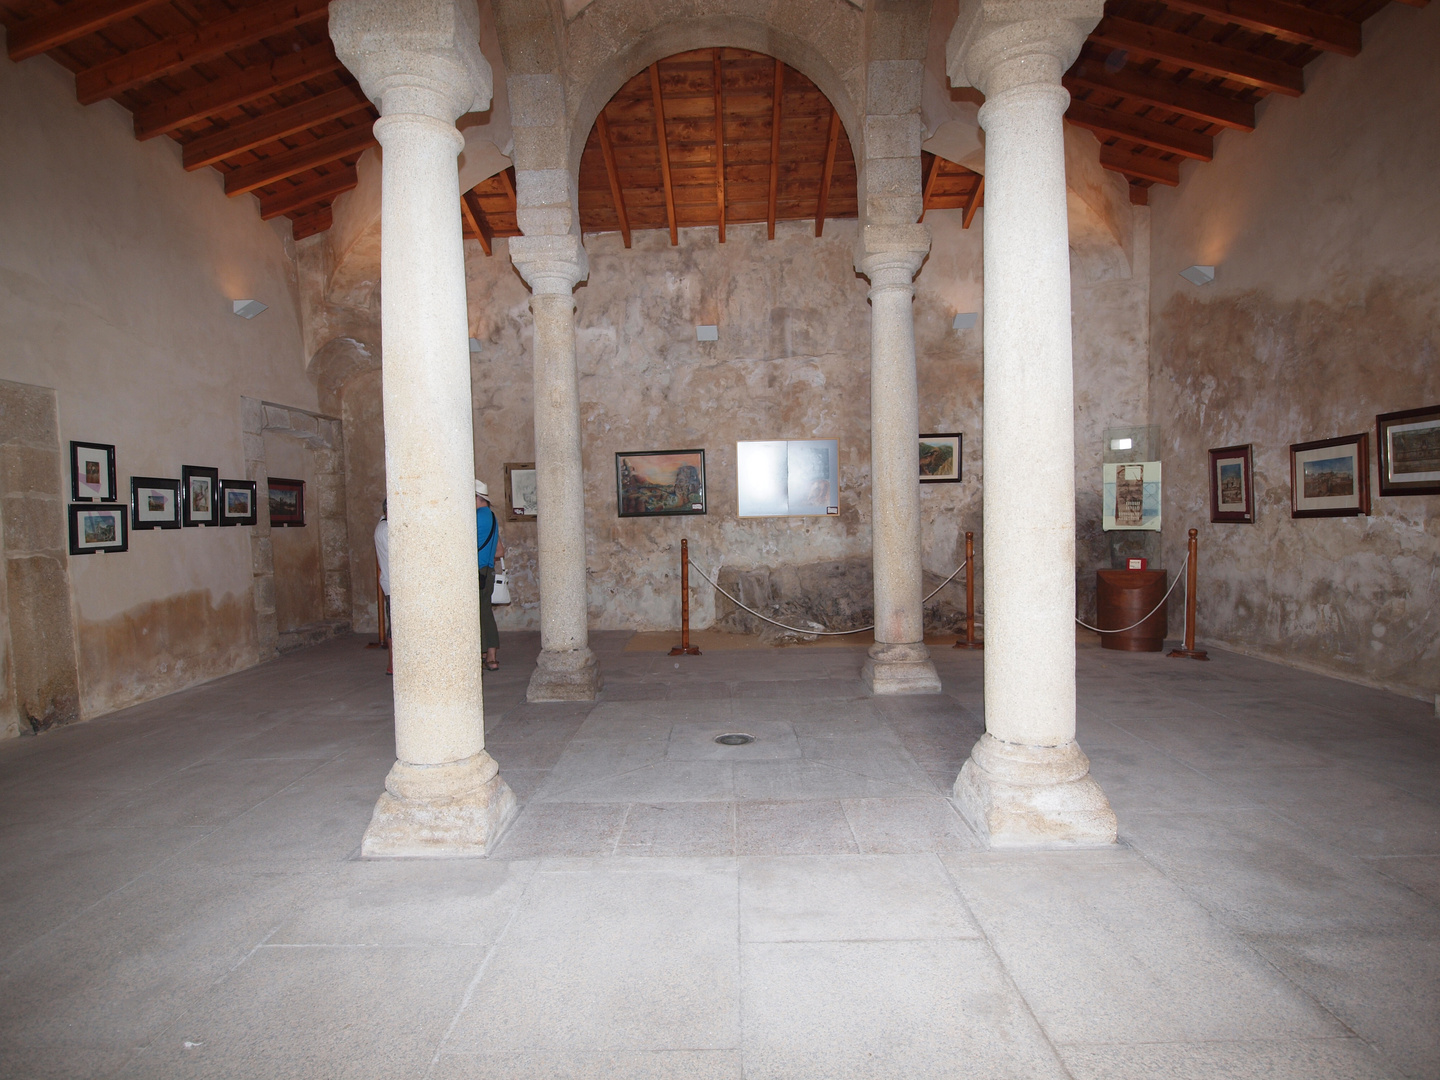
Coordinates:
<point>489,632</point>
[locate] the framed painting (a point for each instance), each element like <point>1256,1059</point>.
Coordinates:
<point>652,483</point>
<point>1330,477</point>
<point>940,458</point>
<point>96,528</point>
<point>287,503</point>
<point>1409,446</point>
<point>787,478</point>
<point>154,503</point>
<point>92,472</point>
<point>1232,493</point>
<point>521,500</point>
<point>237,502</point>
<point>1130,496</point>
<point>200,493</point>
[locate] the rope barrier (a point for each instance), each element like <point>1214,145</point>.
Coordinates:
<point>1156,608</point>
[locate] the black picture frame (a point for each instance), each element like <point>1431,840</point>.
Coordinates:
<point>935,466</point>
<point>1228,457</point>
<point>200,490</point>
<point>155,502</point>
<point>648,494</point>
<point>1421,428</point>
<point>287,503</point>
<point>234,493</point>
<point>1354,449</point>
<point>98,528</point>
<point>89,460</point>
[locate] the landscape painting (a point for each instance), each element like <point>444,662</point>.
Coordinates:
<point>287,502</point>
<point>154,502</point>
<point>95,528</point>
<point>1409,444</point>
<point>1330,477</point>
<point>1231,495</point>
<point>649,483</point>
<point>940,458</point>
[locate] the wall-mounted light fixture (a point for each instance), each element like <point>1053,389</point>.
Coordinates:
<point>1121,444</point>
<point>248,309</point>
<point>1198,275</point>
<point>707,333</point>
<point>965,320</point>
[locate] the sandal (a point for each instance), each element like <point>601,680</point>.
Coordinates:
<point>492,665</point>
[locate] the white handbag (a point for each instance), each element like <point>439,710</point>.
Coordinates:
<point>501,593</point>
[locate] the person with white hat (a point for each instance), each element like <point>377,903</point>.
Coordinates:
<point>490,547</point>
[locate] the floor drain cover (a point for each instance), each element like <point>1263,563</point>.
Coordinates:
<point>735,739</point>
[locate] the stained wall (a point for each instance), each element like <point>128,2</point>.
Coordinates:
<point>1324,224</point>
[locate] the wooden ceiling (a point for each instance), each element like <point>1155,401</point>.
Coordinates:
<point>253,89</point>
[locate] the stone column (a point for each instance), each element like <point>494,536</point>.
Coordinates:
<point>899,662</point>
<point>419,61</point>
<point>566,669</point>
<point>1027,782</point>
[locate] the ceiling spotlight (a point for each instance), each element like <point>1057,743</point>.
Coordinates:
<point>707,333</point>
<point>965,320</point>
<point>1198,275</point>
<point>248,309</point>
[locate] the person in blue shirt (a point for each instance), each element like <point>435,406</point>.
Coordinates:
<point>490,547</point>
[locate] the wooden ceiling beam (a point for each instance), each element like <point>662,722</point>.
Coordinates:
<point>229,91</point>
<point>475,221</point>
<point>664,153</point>
<point>828,173</point>
<point>245,27</point>
<point>929,188</point>
<point>1180,97</point>
<point>508,183</point>
<point>719,147</point>
<point>974,202</point>
<point>1138,129</point>
<point>1142,39</point>
<point>1140,167</point>
<point>308,224</point>
<point>301,196</point>
<point>41,33</point>
<point>602,127</point>
<point>1286,21</point>
<point>775,144</point>
<point>269,170</point>
<point>272,126</point>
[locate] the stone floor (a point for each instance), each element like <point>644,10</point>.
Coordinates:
<point>180,893</point>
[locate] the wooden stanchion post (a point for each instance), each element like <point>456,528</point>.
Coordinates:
<point>685,648</point>
<point>1189,652</point>
<point>970,641</point>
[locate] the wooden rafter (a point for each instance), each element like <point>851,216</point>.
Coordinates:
<point>719,147</point>
<point>1140,166</point>
<point>507,181</point>
<point>827,174</point>
<point>268,170</point>
<point>299,196</point>
<point>247,84</point>
<point>311,222</point>
<point>473,215</point>
<point>1286,21</point>
<point>273,126</point>
<point>974,202</point>
<point>1140,129</point>
<point>1221,61</point>
<point>1183,98</point>
<point>775,145</point>
<point>166,57</point>
<point>69,23</point>
<point>664,153</point>
<point>929,189</point>
<point>602,128</point>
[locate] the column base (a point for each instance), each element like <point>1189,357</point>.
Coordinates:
<point>456,810</point>
<point>900,669</point>
<point>573,675</point>
<point>1017,796</point>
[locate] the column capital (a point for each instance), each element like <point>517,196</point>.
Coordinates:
<point>550,264</point>
<point>891,255</point>
<point>417,57</point>
<point>1000,45</point>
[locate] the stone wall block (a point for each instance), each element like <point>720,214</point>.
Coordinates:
<point>893,176</point>
<point>334,551</point>
<point>303,423</point>
<point>267,635</point>
<point>899,30</point>
<point>527,35</point>
<point>34,524</point>
<point>893,209</point>
<point>337,596</point>
<point>252,416</point>
<point>327,462</point>
<point>262,555</point>
<point>893,86</point>
<point>265,594</point>
<point>28,413</point>
<point>27,470</point>
<point>42,641</point>
<point>276,418</point>
<point>541,148</point>
<point>894,136</point>
<point>536,101</point>
<point>254,446</point>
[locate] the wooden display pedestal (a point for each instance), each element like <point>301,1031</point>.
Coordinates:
<point>1124,596</point>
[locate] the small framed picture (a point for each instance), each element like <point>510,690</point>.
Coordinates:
<point>521,500</point>
<point>1330,477</point>
<point>1232,495</point>
<point>287,503</point>
<point>199,490</point>
<point>1130,496</point>
<point>940,458</point>
<point>154,503</point>
<point>92,472</point>
<point>96,528</point>
<point>237,502</point>
<point>650,483</point>
<point>1409,445</point>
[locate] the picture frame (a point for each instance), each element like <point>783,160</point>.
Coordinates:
<point>98,528</point>
<point>1408,444</point>
<point>199,491</point>
<point>940,458</point>
<point>1130,496</point>
<point>287,503</point>
<point>787,478</point>
<point>1330,477</point>
<point>521,497</point>
<point>1232,484</point>
<point>238,502</point>
<point>92,472</point>
<point>155,502</point>
<point>659,483</point>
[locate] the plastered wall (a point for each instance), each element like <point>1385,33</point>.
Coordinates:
<point>1325,228</point>
<point>117,270</point>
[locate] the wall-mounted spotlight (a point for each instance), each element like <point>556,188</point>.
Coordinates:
<point>964,320</point>
<point>248,309</point>
<point>707,333</point>
<point>1198,275</point>
<point>1121,444</point>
